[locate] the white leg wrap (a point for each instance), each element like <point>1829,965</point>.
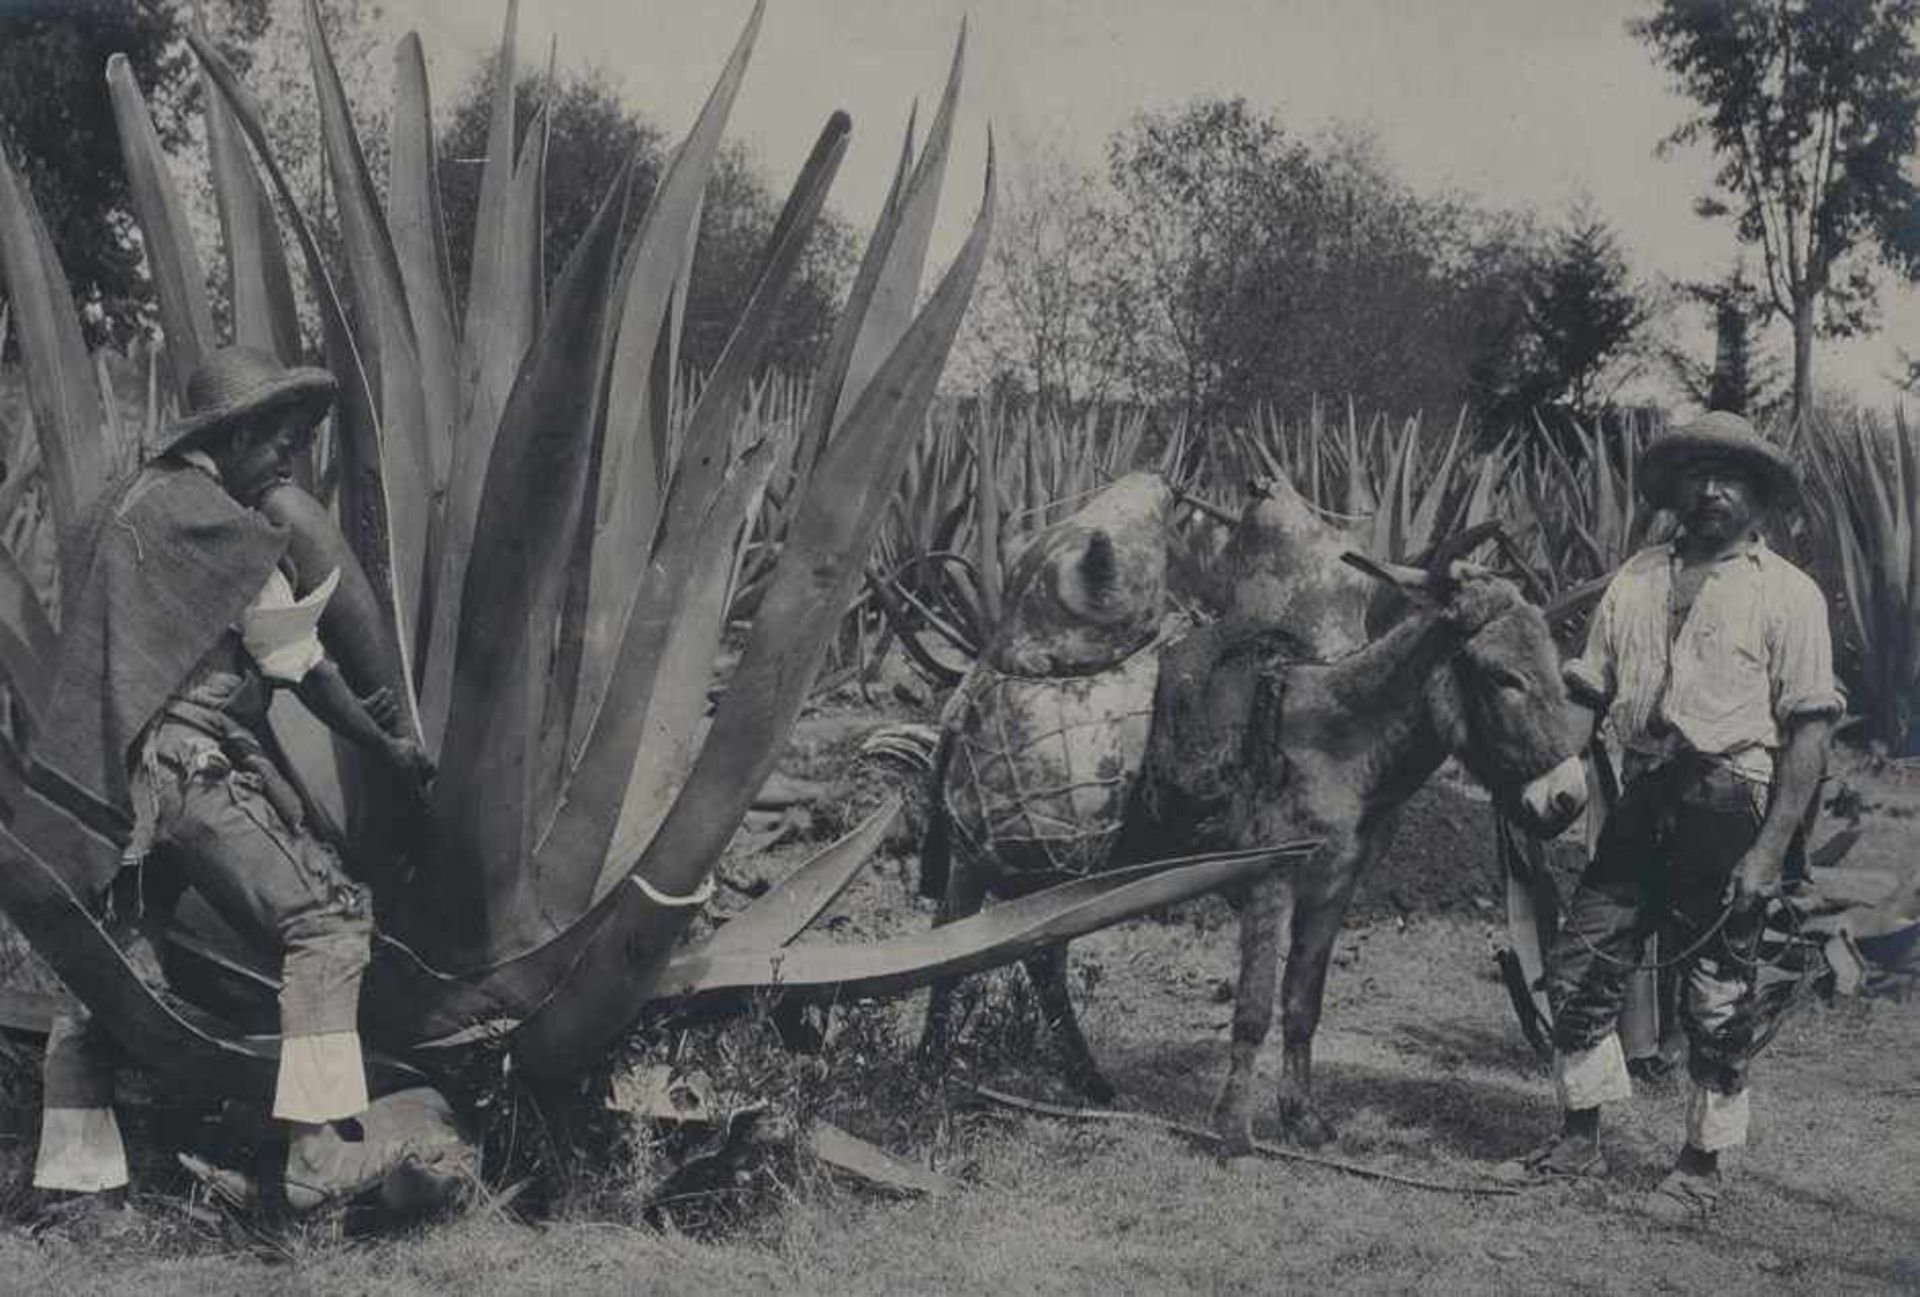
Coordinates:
<point>1588,1078</point>
<point>322,1078</point>
<point>80,1151</point>
<point>1716,1121</point>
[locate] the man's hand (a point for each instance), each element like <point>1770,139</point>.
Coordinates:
<point>1756,879</point>
<point>413,763</point>
<point>383,708</point>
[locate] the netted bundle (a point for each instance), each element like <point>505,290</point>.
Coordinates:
<point>1041,769</point>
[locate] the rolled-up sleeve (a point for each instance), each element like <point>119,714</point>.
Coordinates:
<point>282,633</point>
<point>1591,674</point>
<point>1801,654</point>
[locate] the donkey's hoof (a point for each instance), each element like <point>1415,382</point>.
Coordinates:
<point>1232,1125</point>
<point>1302,1126</point>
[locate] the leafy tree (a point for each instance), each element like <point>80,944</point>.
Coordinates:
<point>58,125</point>
<point>1051,318</point>
<point>1574,333</point>
<point>1810,107</point>
<point>1266,270</point>
<point>1739,377</point>
<point>591,134</point>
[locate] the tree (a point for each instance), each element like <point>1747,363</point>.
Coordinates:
<point>1050,319</point>
<point>58,124</point>
<point>1738,378</point>
<point>1267,270</point>
<point>1810,107</point>
<point>591,134</point>
<point>1574,333</point>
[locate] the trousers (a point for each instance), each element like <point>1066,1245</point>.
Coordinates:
<point>1664,860</point>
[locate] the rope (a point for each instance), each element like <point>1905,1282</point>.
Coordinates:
<point>1660,964</point>
<point>1209,1139</point>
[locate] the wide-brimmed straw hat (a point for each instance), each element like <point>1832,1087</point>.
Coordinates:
<point>1717,434</point>
<point>234,384</point>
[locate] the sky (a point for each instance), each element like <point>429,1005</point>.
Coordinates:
<point>1519,103</point>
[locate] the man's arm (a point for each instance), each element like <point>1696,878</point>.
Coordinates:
<point>326,694</point>
<point>1796,778</point>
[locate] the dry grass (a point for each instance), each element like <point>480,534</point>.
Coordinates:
<point>1422,1069</point>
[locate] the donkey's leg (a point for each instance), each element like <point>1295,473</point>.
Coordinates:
<point>1232,1116</point>
<point>1320,899</point>
<point>966,891</point>
<point>1048,971</point>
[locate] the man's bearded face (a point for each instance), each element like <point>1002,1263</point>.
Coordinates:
<point>1720,500</point>
<point>259,457</point>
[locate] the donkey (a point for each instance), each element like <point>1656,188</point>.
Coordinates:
<point>1250,745</point>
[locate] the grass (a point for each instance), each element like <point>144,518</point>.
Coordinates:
<point>1420,1066</point>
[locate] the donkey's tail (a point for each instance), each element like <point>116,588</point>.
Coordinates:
<point>922,754</point>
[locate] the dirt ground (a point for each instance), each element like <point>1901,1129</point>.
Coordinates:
<point>1421,1066</point>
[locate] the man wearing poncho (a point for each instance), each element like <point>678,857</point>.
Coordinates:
<point>189,616</point>
<point>1710,657</point>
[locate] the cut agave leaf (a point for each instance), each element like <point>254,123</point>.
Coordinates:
<point>704,979</point>
<point>797,900</point>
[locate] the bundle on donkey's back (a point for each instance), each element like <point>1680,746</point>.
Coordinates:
<point>1099,730</point>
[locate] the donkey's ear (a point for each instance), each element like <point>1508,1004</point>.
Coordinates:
<point>1417,584</point>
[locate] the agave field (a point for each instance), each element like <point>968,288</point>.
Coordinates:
<point>552,530</point>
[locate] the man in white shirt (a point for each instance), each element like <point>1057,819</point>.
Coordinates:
<point>1711,659</point>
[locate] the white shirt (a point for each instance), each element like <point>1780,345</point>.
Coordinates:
<point>1753,652</point>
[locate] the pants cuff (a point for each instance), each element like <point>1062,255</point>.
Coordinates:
<point>1714,1120</point>
<point>322,1078</point>
<point>1587,1078</point>
<point>80,1151</point>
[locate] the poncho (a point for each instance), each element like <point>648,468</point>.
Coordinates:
<point>169,561</point>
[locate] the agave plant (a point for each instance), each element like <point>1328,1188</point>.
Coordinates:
<point>547,527</point>
<point>1861,487</point>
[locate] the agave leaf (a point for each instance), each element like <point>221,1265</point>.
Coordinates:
<point>356,419</point>
<point>64,932</point>
<point>528,515</point>
<point>492,237</point>
<point>27,639</point>
<point>67,418</point>
<point>784,913</point>
<point>570,850</point>
<point>834,363</point>
<point>822,558</point>
<point>678,699</point>
<point>494,341</point>
<point>627,489</point>
<point>986,457</point>
<point>897,290</point>
<point>403,465</point>
<point>179,283</point>
<point>419,232</point>
<point>707,978</point>
<point>264,314</point>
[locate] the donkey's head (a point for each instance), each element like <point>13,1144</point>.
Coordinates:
<point>1496,697</point>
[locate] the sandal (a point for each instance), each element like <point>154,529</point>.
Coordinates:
<point>1560,1158</point>
<point>1682,1199</point>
